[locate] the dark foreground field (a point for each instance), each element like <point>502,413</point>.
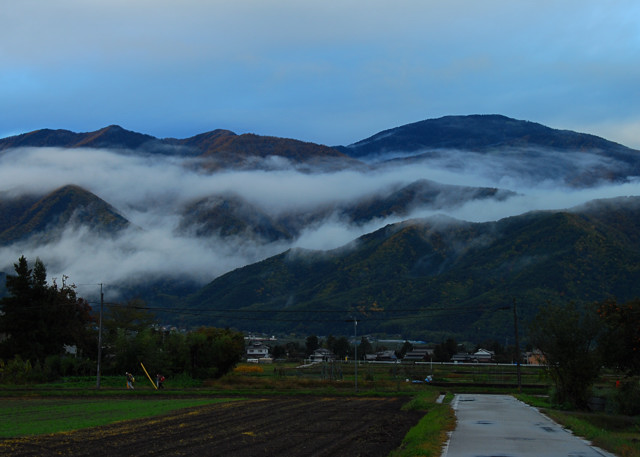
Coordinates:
<point>296,426</point>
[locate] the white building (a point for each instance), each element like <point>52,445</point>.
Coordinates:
<point>257,350</point>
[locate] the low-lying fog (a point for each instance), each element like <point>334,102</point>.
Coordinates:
<point>151,190</point>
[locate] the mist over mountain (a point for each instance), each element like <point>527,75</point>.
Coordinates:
<point>437,277</point>
<point>47,217</point>
<point>503,146</point>
<point>218,149</point>
<point>162,218</point>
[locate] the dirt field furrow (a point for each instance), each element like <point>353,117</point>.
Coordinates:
<point>297,426</point>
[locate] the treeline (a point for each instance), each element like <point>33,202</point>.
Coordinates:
<point>578,342</point>
<point>47,331</point>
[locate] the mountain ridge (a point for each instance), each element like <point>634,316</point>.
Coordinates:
<point>417,271</point>
<point>218,148</point>
<point>476,132</point>
<point>46,216</point>
<point>430,268</point>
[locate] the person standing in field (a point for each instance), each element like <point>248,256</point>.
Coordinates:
<point>130,380</point>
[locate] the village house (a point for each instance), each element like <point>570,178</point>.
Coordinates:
<point>381,356</point>
<point>257,350</point>
<point>322,355</point>
<point>418,355</point>
<point>536,357</point>
<point>480,356</point>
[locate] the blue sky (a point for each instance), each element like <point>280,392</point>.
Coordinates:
<point>331,72</point>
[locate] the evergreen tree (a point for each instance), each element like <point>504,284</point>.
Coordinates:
<point>38,319</point>
<point>342,347</point>
<point>312,343</point>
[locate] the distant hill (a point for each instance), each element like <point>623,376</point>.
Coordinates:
<point>435,277</point>
<point>421,278</point>
<point>478,133</point>
<point>112,136</point>
<point>45,216</point>
<point>502,147</point>
<point>224,149</point>
<point>230,215</point>
<point>218,149</point>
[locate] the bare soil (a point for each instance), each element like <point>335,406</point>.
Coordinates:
<point>296,426</point>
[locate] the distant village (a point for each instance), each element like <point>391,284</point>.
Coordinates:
<point>259,350</point>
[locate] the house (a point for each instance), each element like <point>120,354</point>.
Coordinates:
<point>322,355</point>
<point>480,356</point>
<point>483,356</point>
<point>462,357</point>
<point>418,355</point>
<point>257,350</point>
<point>381,356</point>
<point>536,357</point>
<point>386,356</point>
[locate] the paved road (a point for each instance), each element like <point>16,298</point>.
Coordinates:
<point>500,425</point>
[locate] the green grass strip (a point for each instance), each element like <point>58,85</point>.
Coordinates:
<point>34,416</point>
<point>428,436</point>
<point>617,434</point>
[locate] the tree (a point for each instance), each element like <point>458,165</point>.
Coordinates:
<point>132,317</point>
<point>330,343</point>
<point>364,348</point>
<point>294,351</point>
<point>279,351</point>
<point>342,347</point>
<point>214,352</point>
<point>566,336</point>
<point>444,351</point>
<point>620,341</point>
<point>311,344</point>
<point>406,347</point>
<point>38,319</point>
<point>128,335</point>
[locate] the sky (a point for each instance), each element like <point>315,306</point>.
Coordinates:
<point>330,72</point>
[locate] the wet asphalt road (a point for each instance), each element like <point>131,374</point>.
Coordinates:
<point>501,426</point>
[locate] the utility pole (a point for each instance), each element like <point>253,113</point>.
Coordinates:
<point>355,336</point>
<point>515,325</point>
<point>100,338</point>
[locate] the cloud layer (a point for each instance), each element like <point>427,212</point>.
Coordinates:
<point>151,191</point>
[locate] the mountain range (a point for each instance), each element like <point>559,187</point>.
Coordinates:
<point>414,266</point>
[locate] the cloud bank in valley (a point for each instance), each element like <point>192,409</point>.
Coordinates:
<point>151,190</point>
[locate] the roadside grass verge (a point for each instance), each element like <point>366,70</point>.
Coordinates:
<point>429,435</point>
<point>615,433</point>
<point>34,416</point>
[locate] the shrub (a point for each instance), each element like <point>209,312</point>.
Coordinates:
<point>628,397</point>
<point>248,369</point>
<point>15,371</point>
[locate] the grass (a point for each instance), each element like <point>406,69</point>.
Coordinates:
<point>48,408</point>
<point>35,416</point>
<point>617,434</point>
<point>428,436</point>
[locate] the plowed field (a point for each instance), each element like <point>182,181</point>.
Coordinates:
<point>297,426</point>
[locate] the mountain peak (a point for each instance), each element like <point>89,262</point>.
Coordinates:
<point>112,136</point>
<point>476,132</point>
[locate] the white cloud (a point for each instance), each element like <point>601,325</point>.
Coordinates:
<point>152,190</point>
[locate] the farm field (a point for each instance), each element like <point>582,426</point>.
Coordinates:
<point>292,426</point>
